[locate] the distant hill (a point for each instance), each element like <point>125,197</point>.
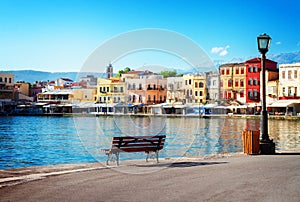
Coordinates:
<point>282,58</point>
<point>32,76</point>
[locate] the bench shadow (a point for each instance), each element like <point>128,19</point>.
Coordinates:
<point>288,153</point>
<point>181,164</point>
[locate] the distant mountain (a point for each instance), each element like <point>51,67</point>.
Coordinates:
<point>282,58</point>
<point>32,76</point>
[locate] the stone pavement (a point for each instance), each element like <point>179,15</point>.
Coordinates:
<point>233,177</point>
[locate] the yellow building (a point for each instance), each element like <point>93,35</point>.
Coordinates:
<point>110,91</point>
<point>233,81</point>
<point>194,88</point>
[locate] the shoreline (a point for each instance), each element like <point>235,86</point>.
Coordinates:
<point>232,116</point>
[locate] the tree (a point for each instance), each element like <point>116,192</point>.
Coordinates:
<point>169,73</point>
<point>120,72</point>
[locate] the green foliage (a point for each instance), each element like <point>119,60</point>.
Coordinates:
<point>120,72</point>
<point>169,73</point>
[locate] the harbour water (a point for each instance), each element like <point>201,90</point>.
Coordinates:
<point>39,141</point>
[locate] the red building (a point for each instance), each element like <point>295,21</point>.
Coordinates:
<point>253,68</point>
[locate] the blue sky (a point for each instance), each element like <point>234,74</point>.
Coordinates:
<point>59,35</point>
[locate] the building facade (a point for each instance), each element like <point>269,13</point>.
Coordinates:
<point>212,84</point>
<point>194,88</point>
<point>232,82</point>
<point>110,91</point>
<point>175,90</point>
<point>253,78</point>
<point>289,85</point>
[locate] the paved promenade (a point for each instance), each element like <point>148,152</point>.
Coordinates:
<point>234,177</point>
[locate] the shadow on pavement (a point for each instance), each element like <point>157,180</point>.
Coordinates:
<point>191,164</point>
<point>288,153</point>
<point>181,164</point>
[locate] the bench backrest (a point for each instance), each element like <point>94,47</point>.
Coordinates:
<point>139,143</point>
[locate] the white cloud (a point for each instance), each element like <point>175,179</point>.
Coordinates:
<point>221,51</point>
<point>278,43</point>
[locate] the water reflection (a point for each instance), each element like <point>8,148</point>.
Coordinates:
<point>30,141</point>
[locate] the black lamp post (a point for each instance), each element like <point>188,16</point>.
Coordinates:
<point>266,146</point>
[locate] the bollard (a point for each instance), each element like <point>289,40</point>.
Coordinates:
<point>250,141</point>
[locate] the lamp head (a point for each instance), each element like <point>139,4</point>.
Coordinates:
<point>263,42</point>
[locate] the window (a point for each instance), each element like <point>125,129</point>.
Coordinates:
<point>196,93</point>
<point>196,84</point>
<point>283,74</point>
<point>1,79</point>
<point>290,91</point>
<point>115,89</point>
<point>250,93</point>
<point>255,69</point>
<point>214,82</point>
<point>5,80</point>
<point>201,93</point>
<point>295,91</point>
<point>201,85</point>
<point>242,82</point>
<point>229,83</point>
<point>283,91</point>
<point>154,87</point>
<point>100,89</point>
<point>154,98</point>
<point>227,71</point>
<point>186,82</point>
<point>250,82</point>
<point>242,94</point>
<point>129,86</point>
<point>121,89</point>
<point>133,86</point>
<point>190,81</point>
<point>107,89</point>
<point>229,95</point>
<point>236,83</point>
<point>221,83</point>
<point>242,70</point>
<point>295,74</point>
<point>290,74</point>
<point>250,69</point>
<point>149,97</point>
<point>255,94</point>
<point>237,70</point>
<point>222,71</point>
<point>9,80</point>
<point>255,82</point>
<point>140,86</point>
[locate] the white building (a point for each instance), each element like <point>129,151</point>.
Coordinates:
<point>289,85</point>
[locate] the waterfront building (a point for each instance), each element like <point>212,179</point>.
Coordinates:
<point>145,87</point>
<point>63,82</point>
<point>22,91</point>
<point>175,90</point>
<point>194,88</point>
<point>253,78</point>
<point>110,90</point>
<point>90,80</point>
<point>289,85</point>
<point>232,82</point>
<point>6,87</point>
<point>212,85</point>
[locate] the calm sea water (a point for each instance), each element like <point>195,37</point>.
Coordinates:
<point>39,141</point>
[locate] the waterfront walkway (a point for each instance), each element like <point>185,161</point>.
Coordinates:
<point>235,177</point>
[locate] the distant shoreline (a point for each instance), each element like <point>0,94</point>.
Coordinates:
<point>232,116</point>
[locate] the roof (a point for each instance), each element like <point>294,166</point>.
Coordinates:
<point>256,60</point>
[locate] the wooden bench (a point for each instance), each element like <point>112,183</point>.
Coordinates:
<point>147,144</point>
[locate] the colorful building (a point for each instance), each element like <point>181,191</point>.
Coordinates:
<point>253,78</point>
<point>289,85</point>
<point>233,82</point>
<point>194,88</point>
<point>110,91</point>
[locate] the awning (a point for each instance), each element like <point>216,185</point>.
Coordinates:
<point>283,103</point>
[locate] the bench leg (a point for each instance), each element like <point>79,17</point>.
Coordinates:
<point>150,155</point>
<point>110,157</point>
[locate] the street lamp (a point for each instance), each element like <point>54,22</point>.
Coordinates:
<point>266,145</point>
